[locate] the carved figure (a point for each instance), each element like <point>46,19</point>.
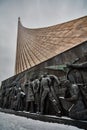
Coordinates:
<point>78,109</point>
<point>29,96</point>
<point>36,89</point>
<point>47,92</point>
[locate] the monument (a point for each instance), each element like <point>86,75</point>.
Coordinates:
<point>38,83</point>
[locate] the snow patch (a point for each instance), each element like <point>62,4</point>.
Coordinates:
<point>12,122</point>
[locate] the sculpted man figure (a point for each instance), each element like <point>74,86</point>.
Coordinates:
<point>19,99</point>
<point>36,90</point>
<point>3,92</point>
<point>73,94</point>
<point>12,94</point>
<point>29,96</point>
<point>46,91</point>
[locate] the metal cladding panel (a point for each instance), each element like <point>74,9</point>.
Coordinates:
<point>35,46</point>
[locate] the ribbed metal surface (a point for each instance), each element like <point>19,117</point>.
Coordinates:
<point>37,45</point>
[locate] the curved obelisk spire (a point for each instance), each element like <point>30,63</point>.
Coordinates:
<point>37,45</point>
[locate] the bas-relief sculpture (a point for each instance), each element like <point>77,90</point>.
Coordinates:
<point>41,92</point>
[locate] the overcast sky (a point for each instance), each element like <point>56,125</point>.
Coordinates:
<point>33,14</point>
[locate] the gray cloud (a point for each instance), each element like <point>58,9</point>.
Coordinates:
<point>34,14</point>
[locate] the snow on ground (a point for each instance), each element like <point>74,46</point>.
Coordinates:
<point>12,122</point>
